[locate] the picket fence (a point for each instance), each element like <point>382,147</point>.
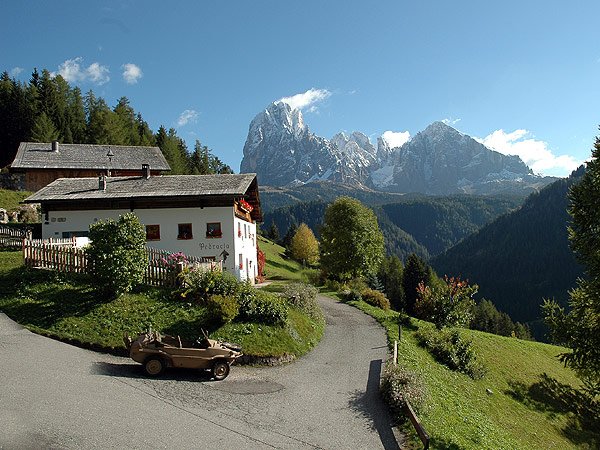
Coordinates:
<point>62,255</point>
<point>12,238</point>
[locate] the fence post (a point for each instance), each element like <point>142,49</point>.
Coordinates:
<point>395,352</point>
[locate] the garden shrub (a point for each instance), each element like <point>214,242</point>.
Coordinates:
<point>117,254</point>
<point>398,386</point>
<point>202,284</point>
<point>261,306</point>
<point>376,298</point>
<point>351,295</point>
<point>448,347</point>
<point>222,308</point>
<point>303,297</point>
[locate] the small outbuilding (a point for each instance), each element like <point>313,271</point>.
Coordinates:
<point>210,216</point>
<point>42,163</point>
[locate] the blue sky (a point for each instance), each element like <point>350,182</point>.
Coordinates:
<point>521,76</point>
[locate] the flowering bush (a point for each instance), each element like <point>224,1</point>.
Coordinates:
<point>398,386</point>
<point>172,261</point>
<point>303,297</point>
<point>201,285</point>
<point>449,305</point>
<point>261,306</point>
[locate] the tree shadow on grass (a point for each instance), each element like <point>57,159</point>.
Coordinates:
<point>289,267</point>
<point>553,398</point>
<point>44,297</point>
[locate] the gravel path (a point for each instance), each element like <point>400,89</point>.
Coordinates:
<point>57,396</point>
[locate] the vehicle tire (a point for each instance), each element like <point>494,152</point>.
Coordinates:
<point>220,370</point>
<point>154,366</point>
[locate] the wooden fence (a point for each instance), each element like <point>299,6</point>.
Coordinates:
<point>409,410</point>
<point>12,238</point>
<point>64,256</point>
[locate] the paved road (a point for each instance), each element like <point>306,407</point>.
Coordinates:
<point>55,396</point>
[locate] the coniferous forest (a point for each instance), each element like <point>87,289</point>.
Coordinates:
<point>48,108</point>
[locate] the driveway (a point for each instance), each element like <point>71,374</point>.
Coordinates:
<point>56,396</point>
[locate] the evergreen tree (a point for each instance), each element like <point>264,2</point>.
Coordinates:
<point>273,232</point>
<point>416,271</point>
<point>175,153</point>
<point>579,329</point>
<point>289,234</point>
<point>390,273</point>
<point>351,242</point>
<point>43,129</point>
<point>304,246</point>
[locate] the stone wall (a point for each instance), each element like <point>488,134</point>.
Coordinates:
<point>12,181</point>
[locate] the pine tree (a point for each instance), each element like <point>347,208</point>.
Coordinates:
<point>43,130</point>
<point>416,271</point>
<point>579,329</point>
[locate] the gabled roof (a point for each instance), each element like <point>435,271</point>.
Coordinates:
<point>131,188</point>
<point>31,155</point>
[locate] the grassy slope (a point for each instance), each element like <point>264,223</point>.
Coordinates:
<point>67,306</point>
<point>533,404</point>
<point>10,199</point>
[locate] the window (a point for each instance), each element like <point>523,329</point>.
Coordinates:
<point>213,230</point>
<point>153,232</point>
<point>184,231</point>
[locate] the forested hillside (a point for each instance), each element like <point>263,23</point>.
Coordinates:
<point>521,257</point>
<point>48,108</point>
<point>424,225</point>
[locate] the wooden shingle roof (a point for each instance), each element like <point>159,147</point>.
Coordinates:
<point>132,188</point>
<point>31,155</point>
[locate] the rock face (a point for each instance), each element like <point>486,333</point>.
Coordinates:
<point>282,151</point>
<point>442,160</point>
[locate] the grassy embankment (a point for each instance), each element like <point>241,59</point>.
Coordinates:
<point>9,200</point>
<point>66,306</point>
<point>533,403</point>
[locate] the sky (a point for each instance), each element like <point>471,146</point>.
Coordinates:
<point>523,77</point>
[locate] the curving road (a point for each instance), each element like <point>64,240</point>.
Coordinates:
<point>56,396</point>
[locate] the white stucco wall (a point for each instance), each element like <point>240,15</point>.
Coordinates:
<point>60,222</point>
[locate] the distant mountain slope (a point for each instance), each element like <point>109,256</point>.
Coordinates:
<point>425,225</point>
<point>276,197</point>
<point>521,257</point>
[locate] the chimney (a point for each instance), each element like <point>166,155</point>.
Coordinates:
<point>102,183</point>
<point>145,171</point>
<point>55,146</point>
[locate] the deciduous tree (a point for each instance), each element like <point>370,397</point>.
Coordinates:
<point>351,242</point>
<point>305,247</point>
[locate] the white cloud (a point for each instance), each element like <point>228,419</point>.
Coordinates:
<point>15,71</point>
<point>396,139</point>
<point>187,116</point>
<point>451,121</point>
<point>131,73</point>
<point>73,71</point>
<point>534,153</point>
<point>309,98</point>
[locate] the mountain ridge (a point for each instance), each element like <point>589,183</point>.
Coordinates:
<point>438,160</point>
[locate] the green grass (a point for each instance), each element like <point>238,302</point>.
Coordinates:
<point>11,199</point>
<point>280,269</point>
<point>535,402</point>
<point>68,307</point>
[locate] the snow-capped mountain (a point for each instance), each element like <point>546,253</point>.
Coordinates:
<point>282,151</point>
<point>439,160</point>
<point>442,160</point>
